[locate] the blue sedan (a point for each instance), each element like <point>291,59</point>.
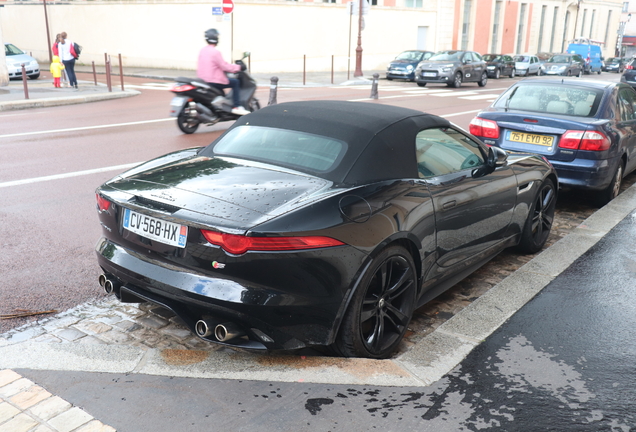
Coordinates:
<point>586,129</point>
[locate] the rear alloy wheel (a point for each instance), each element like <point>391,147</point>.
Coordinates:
<point>457,80</point>
<point>512,73</point>
<point>186,122</point>
<point>613,189</point>
<point>484,80</point>
<point>539,222</point>
<point>381,308</point>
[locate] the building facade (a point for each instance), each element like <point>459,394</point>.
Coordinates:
<point>287,35</point>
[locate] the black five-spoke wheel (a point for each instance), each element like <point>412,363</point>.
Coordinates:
<point>381,308</point>
<point>540,219</point>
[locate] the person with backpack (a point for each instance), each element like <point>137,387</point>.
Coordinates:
<point>68,55</point>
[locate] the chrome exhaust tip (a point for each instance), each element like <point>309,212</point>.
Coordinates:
<point>204,328</point>
<point>108,286</point>
<point>102,280</point>
<point>227,331</point>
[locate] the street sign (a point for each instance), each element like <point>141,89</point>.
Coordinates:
<point>353,7</point>
<point>217,11</point>
<point>228,6</point>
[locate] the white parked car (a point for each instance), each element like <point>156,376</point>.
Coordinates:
<point>527,64</point>
<point>15,58</point>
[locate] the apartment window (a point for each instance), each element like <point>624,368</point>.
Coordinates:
<point>466,23</point>
<point>543,9</point>
<point>495,27</point>
<point>522,20</point>
<point>565,30</point>
<point>554,21</point>
<point>583,22</point>
<point>625,7</point>
<point>609,21</point>
<point>413,3</point>
<point>592,23</point>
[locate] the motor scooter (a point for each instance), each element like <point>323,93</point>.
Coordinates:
<point>197,102</point>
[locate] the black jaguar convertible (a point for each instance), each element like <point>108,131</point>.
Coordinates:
<point>318,223</point>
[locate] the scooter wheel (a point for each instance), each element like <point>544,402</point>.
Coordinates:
<point>186,123</point>
<point>254,105</point>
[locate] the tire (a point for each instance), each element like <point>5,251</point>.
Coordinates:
<point>421,84</point>
<point>599,72</point>
<point>539,72</point>
<point>484,80</point>
<point>569,73</point>
<point>187,124</point>
<point>527,73</point>
<point>540,218</point>
<point>613,189</point>
<point>580,75</point>
<point>457,80</point>
<point>512,73</point>
<point>497,74</point>
<point>36,76</point>
<point>381,308</point>
<point>254,105</point>
<point>389,79</point>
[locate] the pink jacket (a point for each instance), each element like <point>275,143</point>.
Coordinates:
<point>211,66</point>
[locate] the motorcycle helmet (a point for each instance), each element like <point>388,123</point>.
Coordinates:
<point>212,36</point>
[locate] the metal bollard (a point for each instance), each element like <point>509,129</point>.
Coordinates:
<point>121,73</point>
<point>24,82</point>
<point>374,86</point>
<point>94,74</point>
<point>273,87</point>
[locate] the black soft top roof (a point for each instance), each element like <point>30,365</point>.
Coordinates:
<point>380,138</point>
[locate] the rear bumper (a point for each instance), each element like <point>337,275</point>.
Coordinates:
<point>290,320</point>
<point>585,173</point>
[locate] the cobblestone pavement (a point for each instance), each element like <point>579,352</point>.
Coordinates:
<point>107,321</point>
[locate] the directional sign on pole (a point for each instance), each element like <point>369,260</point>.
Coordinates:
<point>228,6</point>
<point>353,7</point>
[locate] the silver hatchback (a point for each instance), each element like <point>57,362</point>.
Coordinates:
<point>452,68</point>
<point>16,58</point>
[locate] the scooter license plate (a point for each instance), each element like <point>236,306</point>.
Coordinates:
<point>178,101</point>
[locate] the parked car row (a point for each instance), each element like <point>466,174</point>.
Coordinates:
<point>455,67</point>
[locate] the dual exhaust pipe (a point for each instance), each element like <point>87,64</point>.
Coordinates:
<point>222,332</point>
<point>108,284</point>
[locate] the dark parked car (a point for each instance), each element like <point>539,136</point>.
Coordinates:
<point>318,223</point>
<point>614,64</point>
<point>452,68</point>
<point>629,74</point>
<point>564,64</point>
<point>585,129</point>
<point>403,67</point>
<point>499,64</point>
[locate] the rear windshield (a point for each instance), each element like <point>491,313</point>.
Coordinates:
<point>552,99</point>
<point>288,148</point>
<point>491,57</point>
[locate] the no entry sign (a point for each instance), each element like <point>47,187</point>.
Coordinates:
<point>228,6</point>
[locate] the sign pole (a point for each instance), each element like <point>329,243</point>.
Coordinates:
<point>358,71</point>
<point>349,52</point>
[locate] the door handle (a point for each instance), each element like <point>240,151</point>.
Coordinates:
<point>449,204</point>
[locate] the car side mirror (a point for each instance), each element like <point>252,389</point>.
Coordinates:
<point>496,158</point>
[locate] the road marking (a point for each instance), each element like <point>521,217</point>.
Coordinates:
<point>149,87</point>
<point>67,175</point>
<point>479,97</point>
<point>455,93</point>
<point>459,113</point>
<point>86,128</point>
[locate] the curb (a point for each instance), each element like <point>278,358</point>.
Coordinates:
<point>57,101</point>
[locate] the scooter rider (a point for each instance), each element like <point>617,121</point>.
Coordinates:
<point>211,68</point>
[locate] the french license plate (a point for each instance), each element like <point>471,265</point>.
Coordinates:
<point>429,74</point>
<point>156,229</point>
<point>542,140</point>
<point>177,101</point>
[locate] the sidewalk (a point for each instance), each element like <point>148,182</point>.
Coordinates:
<point>43,94</point>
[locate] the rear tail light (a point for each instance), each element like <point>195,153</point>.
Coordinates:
<point>484,128</point>
<point>584,140</point>
<point>102,203</point>
<point>629,66</point>
<point>182,88</point>
<point>238,244</point>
